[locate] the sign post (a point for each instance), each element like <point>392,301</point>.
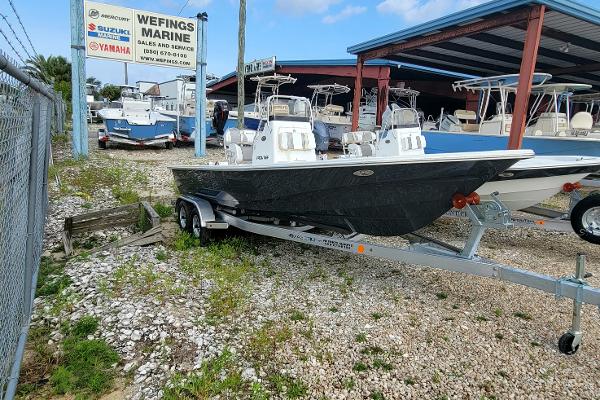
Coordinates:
<point>78,98</point>
<point>200,139</point>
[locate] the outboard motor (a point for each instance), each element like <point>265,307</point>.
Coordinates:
<point>220,116</point>
<point>321,136</point>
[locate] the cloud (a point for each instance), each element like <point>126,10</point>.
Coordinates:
<point>424,10</point>
<point>347,12</point>
<point>300,7</point>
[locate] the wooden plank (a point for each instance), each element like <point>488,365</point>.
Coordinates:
<point>104,213</point>
<point>67,236</point>
<point>152,214</point>
<point>104,225</point>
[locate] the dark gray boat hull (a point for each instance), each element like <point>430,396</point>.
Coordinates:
<point>383,200</point>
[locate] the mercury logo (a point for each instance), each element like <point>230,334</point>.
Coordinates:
<point>92,27</point>
<point>94,13</point>
<point>94,46</point>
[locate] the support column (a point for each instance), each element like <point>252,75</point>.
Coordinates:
<point>357,92</point>
<point>80,131</point>
<point>535,23</point>
<point>472,101</point>
<point>383,84</point>
<point>200,138</point>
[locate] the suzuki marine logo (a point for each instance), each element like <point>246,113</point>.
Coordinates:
<point>94,46</point>
<point>91,27</point>
<point>94,13</point>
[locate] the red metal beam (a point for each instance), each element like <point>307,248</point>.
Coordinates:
<point>530,49</point>
<point>222,84</point>
<point>383,84</point>
<point>369,71</point>
<point>357,92</point>
<point>453,33</point>
<point>472,101</point>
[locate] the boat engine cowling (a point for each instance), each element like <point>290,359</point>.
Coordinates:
<point>220,116</point>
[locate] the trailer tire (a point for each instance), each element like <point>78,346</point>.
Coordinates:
<point>183,210</point>
<point>199,232</point>
<point>169,145</point>
<point>565,344</point>
<point>102,144</point>
<point>585,218</point>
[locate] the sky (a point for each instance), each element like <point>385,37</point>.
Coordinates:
<point>287,29</point>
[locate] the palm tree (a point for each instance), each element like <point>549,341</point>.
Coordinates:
<point>93,81</point>
<point>49,70</point>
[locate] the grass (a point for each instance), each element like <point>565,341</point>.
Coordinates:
<point>523,315</point>
<point>51,278</point>
<point>372,350</point>
<point>82,178</point>
<point>84,368</point>
<point>376,316</point>
<point>409,381</point>
<point>360,367</point>
<point>225,264</point>
<point>499,336</point>
<point>361,337</point>
<point>377,396</point>
<point>265,341</point>
<point>135,278</point>
<point>297,315</point>
<point>162,255</point>
<point>292,388</point>
<point>163,211</point>
<point>381,364</point>
<point>184,241</point>
<point>441,295</point>
<point>216,377</point>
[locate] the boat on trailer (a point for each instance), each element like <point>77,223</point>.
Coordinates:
<point>279,189</point>
<point>493,132</point>
<point>136,123</point>
<point>281,178</point>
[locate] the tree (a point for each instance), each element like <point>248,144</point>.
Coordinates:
<point>49,70</point>
<point>110,92</point>
<point>95,83</point>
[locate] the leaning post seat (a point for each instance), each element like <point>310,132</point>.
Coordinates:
<point>238,145</point>
<point>582,123</point>
<point>359,143</point>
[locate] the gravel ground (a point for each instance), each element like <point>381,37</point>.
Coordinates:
<point>359,327</point>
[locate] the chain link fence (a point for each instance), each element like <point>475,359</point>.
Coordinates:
<point>29,112</point>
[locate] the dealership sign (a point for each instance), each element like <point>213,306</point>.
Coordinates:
<point>259,66</point>
<point>125,34</point>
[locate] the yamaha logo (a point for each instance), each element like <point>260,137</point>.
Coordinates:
<point>363,172</point>
<point>94,13</point>
<point>94,46</point>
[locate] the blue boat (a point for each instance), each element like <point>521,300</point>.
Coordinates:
<point>549,131</point>
<point>135,124</point>
<point>187,128</point>
<point>454,142</point>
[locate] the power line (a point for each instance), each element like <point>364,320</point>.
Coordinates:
<point>22,26</point>
<point>15,34</point>
<point>182,8</point>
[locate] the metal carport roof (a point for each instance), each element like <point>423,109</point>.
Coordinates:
<point>491,39</point>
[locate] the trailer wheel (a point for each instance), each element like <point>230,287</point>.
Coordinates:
<point>168,145</point>
<point>585,218</point>
<point>102,144</point>
<point>198,231</point>
<point>565,344</point>
<point>182,210</point>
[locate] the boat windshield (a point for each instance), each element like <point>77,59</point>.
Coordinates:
<point>287,108</point>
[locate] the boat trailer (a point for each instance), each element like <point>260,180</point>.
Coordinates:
<point>199,217</point>
<point>582,217</point>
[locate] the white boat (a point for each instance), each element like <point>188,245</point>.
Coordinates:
<point>332,115</point>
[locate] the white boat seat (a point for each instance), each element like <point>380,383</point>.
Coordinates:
<point>333,109</point>
<point>358,137</point>
<point>238,145</point>
<point>582,122</point>
<point>280,109</point>
<point>241,137</point>
<point>465,114</point>
<point>289,141</point>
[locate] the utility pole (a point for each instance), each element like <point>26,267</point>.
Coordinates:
<point>241,95</point>
<point>126,77</point>
<point>80,132</point>
<point>200,136</point>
